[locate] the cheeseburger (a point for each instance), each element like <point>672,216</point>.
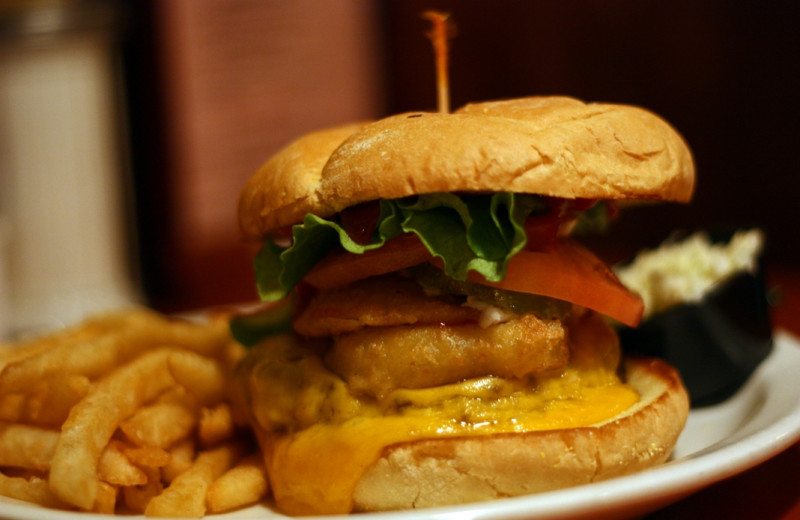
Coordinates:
<point>450,341</point>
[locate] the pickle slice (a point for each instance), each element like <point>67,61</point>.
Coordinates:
<point>434,280</point>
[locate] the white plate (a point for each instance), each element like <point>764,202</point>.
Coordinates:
<point>760,421</point>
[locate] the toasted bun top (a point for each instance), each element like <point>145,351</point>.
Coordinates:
<point>553,146</point>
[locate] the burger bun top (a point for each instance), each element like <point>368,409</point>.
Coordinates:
<point>551,146</point>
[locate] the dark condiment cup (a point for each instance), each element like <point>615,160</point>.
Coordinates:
<point>715,344</point>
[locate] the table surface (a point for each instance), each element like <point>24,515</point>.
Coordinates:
<point>770,490</point>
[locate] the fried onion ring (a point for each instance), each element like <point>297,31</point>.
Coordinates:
<point>376,360</point>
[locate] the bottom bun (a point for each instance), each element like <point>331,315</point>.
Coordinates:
<point>470,469</point>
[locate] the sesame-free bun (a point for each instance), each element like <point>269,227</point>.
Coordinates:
<point>284,188</point>
<point>553,146</point>
<point>470,469</point>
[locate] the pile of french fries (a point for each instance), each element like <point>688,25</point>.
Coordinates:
<point>126,413</point>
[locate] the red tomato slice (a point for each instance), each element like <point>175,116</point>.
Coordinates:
<point>567,271</point>
<point>341,267</point>
<point>559,269</point>
<point>541,230</point>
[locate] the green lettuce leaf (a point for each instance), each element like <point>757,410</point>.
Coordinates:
<point>469,233</point>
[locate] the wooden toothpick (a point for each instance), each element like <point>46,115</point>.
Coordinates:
<point>440,32</point>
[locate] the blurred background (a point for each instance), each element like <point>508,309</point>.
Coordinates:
<point>128,128</point>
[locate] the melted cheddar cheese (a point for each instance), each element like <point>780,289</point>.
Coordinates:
<point>318,438</point>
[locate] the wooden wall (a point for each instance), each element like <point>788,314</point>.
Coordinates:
<point>215,87</point>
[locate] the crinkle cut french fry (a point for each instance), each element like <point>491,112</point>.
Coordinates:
<point>148,456</point>
<point>106,501</point>
<point>85,331</point>
<point>52,399</point>
<point>12,353</point>
<point>98,355</point>
<point>109,411</point>
<point>47,403</point>
<point>209,339</point>
<point>216,425</point>
<point>92,422</point>
<point>12,407</point>
<point>231,354</point>
<point>186,495</point>
<point>116,468</point>
<point>90,358</point>
<point>181,456</point>
<point>33,490</point>
<point>136,498</point>
<point>244,484</point>
<point>160,424</point>
<point>36,353</point>
<point>24,446</point>
<point>201,376</point>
